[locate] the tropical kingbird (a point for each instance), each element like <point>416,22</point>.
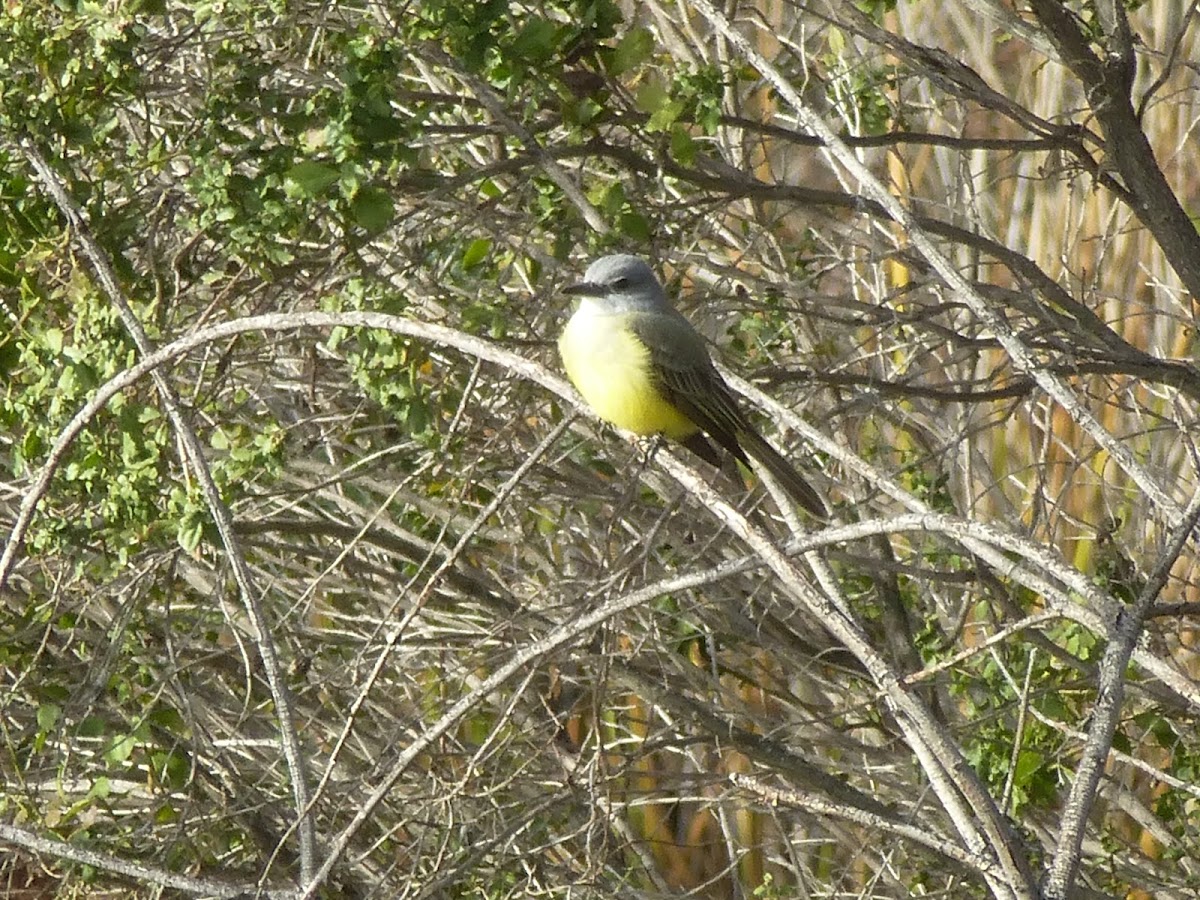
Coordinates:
<point>644,368</point>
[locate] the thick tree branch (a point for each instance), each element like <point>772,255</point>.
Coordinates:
<point>136,873</point>
<point>1108,83</point>
<point>1110,692</point>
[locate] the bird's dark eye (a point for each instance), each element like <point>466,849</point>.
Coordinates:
<point>620,283</point>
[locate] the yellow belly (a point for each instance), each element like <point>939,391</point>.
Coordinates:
<point>610,367</point>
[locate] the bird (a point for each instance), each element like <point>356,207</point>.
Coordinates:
<point>642,367</point>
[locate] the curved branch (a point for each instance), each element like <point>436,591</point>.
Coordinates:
<point>270,322</point>
<point>289,740</point>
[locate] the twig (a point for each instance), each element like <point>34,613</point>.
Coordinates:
<point>1107,83</point>
<point>986,541</point>
<point>265,323</point>
<point>492,103</point>
<point>1019,732</point>
<point>816,803</point>
<point>1098,612</point>
<point>142,875</point>
<point>417,603</point>
<point>288,739</point>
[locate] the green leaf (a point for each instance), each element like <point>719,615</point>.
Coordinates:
<point>171,767</point>
<point>170,719</point>
<point>53,338</point>
<point>372,209</point>
<point>476,252</point>
<point>100,788</point>
<point>836,41</point>
<point>634,225</point>
<point>190,532</point>
<point>634,48</point>
<point>652,95</point>
<point>536,42</point>
<point>609,197</point>
<point>683,147</point>
<point>48,715</point>
<point>665,116</point>
<point>1029,763</point>
<point>121,749</point>
<point>309,178</point>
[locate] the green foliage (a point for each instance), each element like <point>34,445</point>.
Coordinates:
<point>877,9</point>
<point>932,487</point>
<point>612,201</point>
<point>476,252</point>
<point>115,468</point>
<point>394,372</point>
<point>634,49</point>
<point>67,73</point>
<point>516,50</point>
<point>1036,773</point>
<point>860,92</point>
<point>767,326</point>
<point>692,95</point>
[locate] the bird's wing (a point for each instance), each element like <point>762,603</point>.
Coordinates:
<point>687,378</point>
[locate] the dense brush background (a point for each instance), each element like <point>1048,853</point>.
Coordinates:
<point>407,521</point>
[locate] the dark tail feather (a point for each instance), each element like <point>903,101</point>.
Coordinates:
<point>699,445</point>
<point>789,479</point>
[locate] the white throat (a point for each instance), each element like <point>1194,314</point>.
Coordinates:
<point>592,308</point>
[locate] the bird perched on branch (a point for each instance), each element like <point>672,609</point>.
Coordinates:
<point>644,368</point>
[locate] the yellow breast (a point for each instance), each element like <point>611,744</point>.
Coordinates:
<point>610,367</point>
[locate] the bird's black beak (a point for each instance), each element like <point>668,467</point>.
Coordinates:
<point>585,289</point>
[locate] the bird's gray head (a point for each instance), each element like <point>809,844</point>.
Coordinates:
<point>620,283</point>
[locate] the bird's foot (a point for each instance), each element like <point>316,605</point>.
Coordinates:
<point>647,446</point>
